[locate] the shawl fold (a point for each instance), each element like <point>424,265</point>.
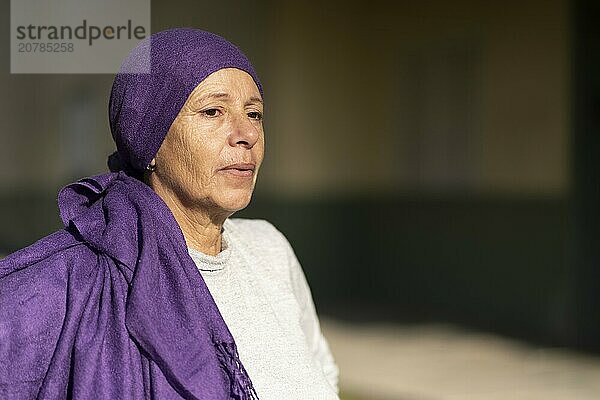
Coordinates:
<point>113,306</point>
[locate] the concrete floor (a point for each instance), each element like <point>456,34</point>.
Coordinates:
<point>437,362</point>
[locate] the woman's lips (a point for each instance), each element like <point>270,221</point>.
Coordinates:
<point>239,170</point>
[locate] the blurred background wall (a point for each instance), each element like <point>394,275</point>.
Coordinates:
<point>428,160</point>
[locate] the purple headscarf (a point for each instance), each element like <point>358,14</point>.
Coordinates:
<point>143,106</point>
<point>113,306</point>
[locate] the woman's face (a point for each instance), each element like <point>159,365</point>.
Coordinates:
<point>211,155</point>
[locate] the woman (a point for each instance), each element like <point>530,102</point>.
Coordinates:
<point>151,290</point>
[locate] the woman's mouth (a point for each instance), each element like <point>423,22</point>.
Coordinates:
<point>239,170</point>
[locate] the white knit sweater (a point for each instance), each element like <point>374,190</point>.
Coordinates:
<point>263,296</point>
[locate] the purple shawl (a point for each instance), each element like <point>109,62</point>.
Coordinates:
<point>113,306</point>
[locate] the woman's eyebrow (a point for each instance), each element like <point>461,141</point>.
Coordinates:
<point>254,99</point>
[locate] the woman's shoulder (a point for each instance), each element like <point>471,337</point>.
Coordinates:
<point>262,239</point>
<point>256,231</point>
<point>46,266</point>
<point>59,244</point>
<point>46,289</point>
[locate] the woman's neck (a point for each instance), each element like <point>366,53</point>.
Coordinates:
<point>201,229</point>
<point>200,232</point>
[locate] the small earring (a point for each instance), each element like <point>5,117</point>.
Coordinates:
<point>152,166</point>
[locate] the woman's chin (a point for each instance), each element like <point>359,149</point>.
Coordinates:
<point>234,201</point>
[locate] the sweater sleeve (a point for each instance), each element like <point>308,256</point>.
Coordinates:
<point>310,322</point>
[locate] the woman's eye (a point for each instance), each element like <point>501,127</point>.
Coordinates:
<point>255,115</point>
<point>211,112</point>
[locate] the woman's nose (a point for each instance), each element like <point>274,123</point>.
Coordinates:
<point>244,131</point>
